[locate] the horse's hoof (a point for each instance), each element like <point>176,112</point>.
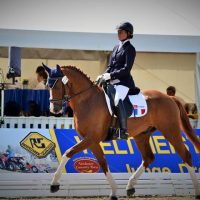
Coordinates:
<point>112,198</point>
<point>130,192</point>
<point>54,188</point>
<point>197,197</point>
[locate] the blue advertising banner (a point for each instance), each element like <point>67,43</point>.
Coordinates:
<point>123,156</point>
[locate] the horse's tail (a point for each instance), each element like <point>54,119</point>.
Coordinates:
<point>186,126</point>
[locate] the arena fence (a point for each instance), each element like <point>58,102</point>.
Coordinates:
<point>194,123</point>
<point>38,122</point>
<point>48,122</point>
<point>37,185</point>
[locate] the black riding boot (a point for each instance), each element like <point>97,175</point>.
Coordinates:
<point>122,132</point>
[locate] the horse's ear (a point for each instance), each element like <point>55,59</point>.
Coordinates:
<point>58,67</point>
<point>46,68</point>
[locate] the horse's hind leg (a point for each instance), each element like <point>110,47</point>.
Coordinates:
<point>194,181</point>
<point>142,142</point>
<point>97,151</point>
<point>175,138</point>
<point>85,143</point>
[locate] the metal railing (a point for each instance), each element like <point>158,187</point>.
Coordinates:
<point>193,122</point>
<point>39,122</point>
<point>49,122</point>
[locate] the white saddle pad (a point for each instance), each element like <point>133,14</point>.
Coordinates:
<point>139,105</point>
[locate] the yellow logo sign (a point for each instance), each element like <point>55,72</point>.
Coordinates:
<point>37,144</point>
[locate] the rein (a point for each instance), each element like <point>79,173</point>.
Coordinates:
<point>70,97</point>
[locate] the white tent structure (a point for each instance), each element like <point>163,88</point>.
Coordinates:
<point>164,26</point>
<point>160,25</point>
<point>197,86</point>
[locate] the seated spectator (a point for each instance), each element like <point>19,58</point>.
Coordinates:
<point>171,91</point>
<point>191,110</point>
<point>34,109</point>
<point>41,78</point>
<point>12,109</point>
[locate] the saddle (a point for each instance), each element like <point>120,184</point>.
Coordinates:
<point>134,103</point>
<point>110,91</point>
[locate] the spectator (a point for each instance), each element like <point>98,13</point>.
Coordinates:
<point>34,109</point>
<point>171,91</point>
<point>12,109</point>
<point>41,78</point>
<point>191,110</point>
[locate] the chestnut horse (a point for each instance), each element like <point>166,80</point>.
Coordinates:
<point>87,100</point>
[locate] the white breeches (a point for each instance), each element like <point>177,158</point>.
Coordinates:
<point>121,92</point>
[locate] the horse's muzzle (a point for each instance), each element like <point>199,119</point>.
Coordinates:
<point>57,108</point>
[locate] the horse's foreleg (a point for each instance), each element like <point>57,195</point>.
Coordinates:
<point>66,156</point>
<point>97,151</point>
<point>58,172</point>
<point>113,185</point>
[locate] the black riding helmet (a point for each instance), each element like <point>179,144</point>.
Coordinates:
<point>126,26</point>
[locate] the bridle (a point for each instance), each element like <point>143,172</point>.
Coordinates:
<point>66,98</point>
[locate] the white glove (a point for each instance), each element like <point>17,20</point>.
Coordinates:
<point>106,76</point>
<point>99,77</point>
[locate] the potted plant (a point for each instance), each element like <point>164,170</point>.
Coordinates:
<point>25,83</point>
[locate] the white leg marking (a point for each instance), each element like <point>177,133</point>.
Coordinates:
<point>133,179</point>
<point>58,172</point>
<point>112,183</point>
<point>194,179</point>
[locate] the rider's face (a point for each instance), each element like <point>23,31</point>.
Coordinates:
<point>122,35</point>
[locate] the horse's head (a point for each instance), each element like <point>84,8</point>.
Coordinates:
<point>66,83</point>
<point>55,82</point>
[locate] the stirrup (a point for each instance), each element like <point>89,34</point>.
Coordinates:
<point>121,134</point>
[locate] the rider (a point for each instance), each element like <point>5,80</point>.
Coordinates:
<point>118,73</point>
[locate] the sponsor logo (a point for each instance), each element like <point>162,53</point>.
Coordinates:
<point>86,165</point>
<point>37,144</point>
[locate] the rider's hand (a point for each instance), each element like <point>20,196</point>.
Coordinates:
<point>106,76</point>
<point>99,77</point>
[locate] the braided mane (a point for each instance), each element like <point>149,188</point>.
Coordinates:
<point>73,68</point>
